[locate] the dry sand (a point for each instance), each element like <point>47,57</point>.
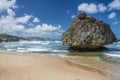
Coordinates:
<point>42,67</point>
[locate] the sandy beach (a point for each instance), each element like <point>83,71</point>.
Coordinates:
<point>43,67</point>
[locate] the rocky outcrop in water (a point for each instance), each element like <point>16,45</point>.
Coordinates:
<point>86,32</point>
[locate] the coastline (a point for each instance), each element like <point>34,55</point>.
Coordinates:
<point>43,67</point>
<point>96,65</point>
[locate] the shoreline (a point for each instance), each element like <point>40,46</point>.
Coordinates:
<point>43,67</point>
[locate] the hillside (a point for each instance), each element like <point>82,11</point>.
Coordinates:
<point>11,38</point>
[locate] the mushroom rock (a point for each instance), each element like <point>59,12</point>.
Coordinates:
<point>86,32</point>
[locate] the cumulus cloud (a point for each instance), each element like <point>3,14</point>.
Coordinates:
<point>9,24</point>
<point>101,7</point>
<point>89,8</point>
<point>36,20</point>
<point>112,15</point>
<point>12,24</point>
<point>92,8</point>
<point>115,4</point>
<point>43,29</point>
<point>6,4</point>
<point>10,12</point>
<point>24,19</point>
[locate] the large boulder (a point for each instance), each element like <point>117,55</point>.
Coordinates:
<point>88,33</point>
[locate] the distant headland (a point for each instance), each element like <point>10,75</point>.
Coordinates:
<point>11,38</point>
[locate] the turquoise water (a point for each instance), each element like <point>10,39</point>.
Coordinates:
<point>51,47</point>
<point>34,46</point>
<point>56,47</point>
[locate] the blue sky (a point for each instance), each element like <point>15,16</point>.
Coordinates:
<point>50,18</point>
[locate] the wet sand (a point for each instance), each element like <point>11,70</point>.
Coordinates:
<point>96,62</point>
<point>45,67</point>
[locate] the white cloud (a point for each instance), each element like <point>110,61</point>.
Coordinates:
<point>6,4</point>
<point>12,24</point>
<point>112,15</point>
<point>92,8</point>
<point>9,24</point>
<point>11,12</point>
<point>36,20</point>
<point>89,8</point>
<point>115,4</point>
<point>43,29</point>
<point>73,16</point>
<point>25,19</point>
<point>101,7</point>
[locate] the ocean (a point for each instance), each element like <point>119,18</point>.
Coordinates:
<point>34,47</point>
<point>51,47</point>
<point>56,47</point>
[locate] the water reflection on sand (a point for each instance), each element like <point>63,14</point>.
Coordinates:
<point>95,61</point>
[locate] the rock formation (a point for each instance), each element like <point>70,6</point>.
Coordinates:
<point>86,32</point>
